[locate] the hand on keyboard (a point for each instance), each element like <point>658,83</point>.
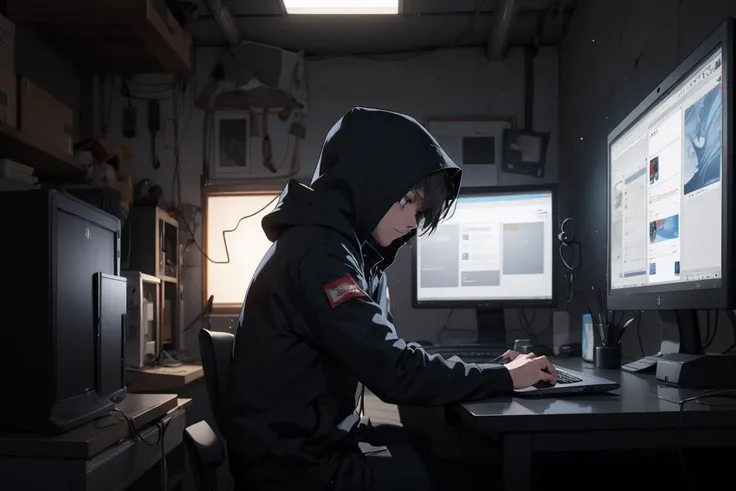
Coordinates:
<point>510,355</point>
<point>562,378</point>
<point>527,370</point>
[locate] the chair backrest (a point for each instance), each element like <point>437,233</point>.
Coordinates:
<point>216,349</point>
<point>206,455</point>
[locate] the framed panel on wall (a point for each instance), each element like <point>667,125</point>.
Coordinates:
<point>474,143</point>
<point>231,142</point>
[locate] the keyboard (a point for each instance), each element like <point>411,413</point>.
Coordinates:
<point>563,377</point>
<point>476,355</point>
<point>468,353</point>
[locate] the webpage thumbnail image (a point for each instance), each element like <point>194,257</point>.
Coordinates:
<point>476,256</point>
<point>703,141</point>
<point>438,258</point>
<point>663,248</point>
<point>664,229</point>
<point>654,170</point>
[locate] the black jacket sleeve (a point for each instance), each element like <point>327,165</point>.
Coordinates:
<point>345,323</point>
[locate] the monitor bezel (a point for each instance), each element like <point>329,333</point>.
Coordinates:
<point>706,294</point>
<point>500,303</point>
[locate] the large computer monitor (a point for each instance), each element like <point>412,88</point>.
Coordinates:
<point>495,251</point>
<point>670,196</point>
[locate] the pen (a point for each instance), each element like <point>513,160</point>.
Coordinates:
<point>602,334</point>
<point>596,321</point>
<point>598,325</point>
<point>497,359</point>
<point>590,311</point>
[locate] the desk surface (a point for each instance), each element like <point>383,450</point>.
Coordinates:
<point>116,467</point>
<point>157,379</point>
<point>639,403</point>
<point>94,437</point>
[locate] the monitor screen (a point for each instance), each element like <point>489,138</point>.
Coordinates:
<point>666,194</point>
<point>495,246</point>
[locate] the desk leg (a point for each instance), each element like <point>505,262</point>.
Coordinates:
<point>517,462</point>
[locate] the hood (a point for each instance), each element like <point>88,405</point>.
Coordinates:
<point>369,160</point>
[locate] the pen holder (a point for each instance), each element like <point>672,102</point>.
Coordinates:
<point>608,356</point>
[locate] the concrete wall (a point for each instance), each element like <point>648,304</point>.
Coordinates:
<point>449,82</point>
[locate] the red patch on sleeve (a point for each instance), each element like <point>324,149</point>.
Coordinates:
<point>341,290</point>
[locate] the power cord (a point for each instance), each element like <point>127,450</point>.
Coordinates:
<point>710,337</point>
<point>524,321</point>
<point>527,323</point>
<point>732,319</point>
<point>699,399</point>
<point>224,232</point>
<point>162,427</point>
<point>443,330</point>
<point>569,242</point>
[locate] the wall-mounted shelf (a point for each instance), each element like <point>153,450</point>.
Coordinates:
<point>49,164</point>
<point>112,36</point>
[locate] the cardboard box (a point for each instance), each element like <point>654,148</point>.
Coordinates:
<point>8,108</point>
<point>43,118</point>
<point>102,150</point>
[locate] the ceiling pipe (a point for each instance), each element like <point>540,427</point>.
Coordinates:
<point>498,40</point>
<point>225,20</point>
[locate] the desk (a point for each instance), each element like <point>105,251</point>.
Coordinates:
<point>98,456</point>
<point>639,415</point>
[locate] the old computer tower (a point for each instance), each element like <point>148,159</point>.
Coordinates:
<point>55,247</point>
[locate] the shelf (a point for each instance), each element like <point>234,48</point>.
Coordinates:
<point>50,164</point>
<point>114,36</point>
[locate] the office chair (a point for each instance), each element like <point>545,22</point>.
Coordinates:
<point>206,454</point>
<point>206,450</point>
<point>216,349</point>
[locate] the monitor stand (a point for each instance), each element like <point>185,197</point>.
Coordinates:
<point>491,328</point>
<point>679,333</point>
<point>681,361</point>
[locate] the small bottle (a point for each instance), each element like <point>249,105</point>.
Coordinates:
<point>588,343</point>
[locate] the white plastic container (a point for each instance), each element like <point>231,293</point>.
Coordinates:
<point>588,337</point>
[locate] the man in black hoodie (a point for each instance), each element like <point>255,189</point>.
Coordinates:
<point>316,323</point>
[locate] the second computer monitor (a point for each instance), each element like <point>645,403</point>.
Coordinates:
<point>495,251</point>
<point>670,205</point>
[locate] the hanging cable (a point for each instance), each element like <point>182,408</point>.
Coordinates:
<point>568,242</point>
